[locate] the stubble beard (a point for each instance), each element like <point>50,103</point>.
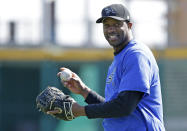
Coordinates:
<point>120,43</point>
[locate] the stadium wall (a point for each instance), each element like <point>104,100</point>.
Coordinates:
<point>25,72</point>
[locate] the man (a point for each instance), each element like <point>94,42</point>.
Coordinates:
<point>133,99</point>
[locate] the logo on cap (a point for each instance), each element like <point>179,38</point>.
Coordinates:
<point>108,12</point>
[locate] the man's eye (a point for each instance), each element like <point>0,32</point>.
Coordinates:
<point>106,26</point>
<point>117,25</point>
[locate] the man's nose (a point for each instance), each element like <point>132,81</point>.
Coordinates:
<point>111,29</point>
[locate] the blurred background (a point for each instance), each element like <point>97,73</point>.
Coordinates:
<point>37,37</point>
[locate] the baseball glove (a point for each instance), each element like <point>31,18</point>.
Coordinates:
<point>53,99</point>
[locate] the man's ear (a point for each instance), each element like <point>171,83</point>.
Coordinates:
<point>129,25</point>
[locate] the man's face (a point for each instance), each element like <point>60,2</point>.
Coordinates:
<point>115,31</point>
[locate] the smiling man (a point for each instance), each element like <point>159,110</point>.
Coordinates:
<point>133,100</point>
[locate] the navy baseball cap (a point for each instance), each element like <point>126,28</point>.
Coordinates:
<point>115,11</point>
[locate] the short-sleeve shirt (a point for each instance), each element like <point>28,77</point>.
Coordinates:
<point>135,69</point>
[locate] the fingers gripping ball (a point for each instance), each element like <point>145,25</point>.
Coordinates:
<point>53,99</point>
<point>65,74</point>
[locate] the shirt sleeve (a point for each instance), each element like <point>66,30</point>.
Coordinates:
<point>123,105</point>
<point>94,98</point>
<point>137,74</point>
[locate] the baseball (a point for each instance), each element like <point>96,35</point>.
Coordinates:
<point>65,74</point>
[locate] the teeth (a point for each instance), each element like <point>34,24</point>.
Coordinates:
<point>112,36</point>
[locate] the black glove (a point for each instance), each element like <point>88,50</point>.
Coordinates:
<point>53,99</point>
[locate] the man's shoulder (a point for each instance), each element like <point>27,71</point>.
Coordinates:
<point>136,51</point>
<point>135,48</point>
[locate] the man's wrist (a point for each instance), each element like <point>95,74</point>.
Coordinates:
<point>85,92</point>
<point>78,110</point>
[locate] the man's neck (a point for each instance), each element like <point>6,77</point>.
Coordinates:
<point>121,47</point>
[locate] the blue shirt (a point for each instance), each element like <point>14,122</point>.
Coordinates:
<point>135,69</point>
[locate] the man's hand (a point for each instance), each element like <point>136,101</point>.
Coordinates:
<point>54,102</point>
<point>75,84</point>
<point>77,110</point>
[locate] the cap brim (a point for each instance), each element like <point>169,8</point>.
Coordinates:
<point>100,20</point>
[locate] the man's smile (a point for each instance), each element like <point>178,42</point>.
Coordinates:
<point>113,37</point>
